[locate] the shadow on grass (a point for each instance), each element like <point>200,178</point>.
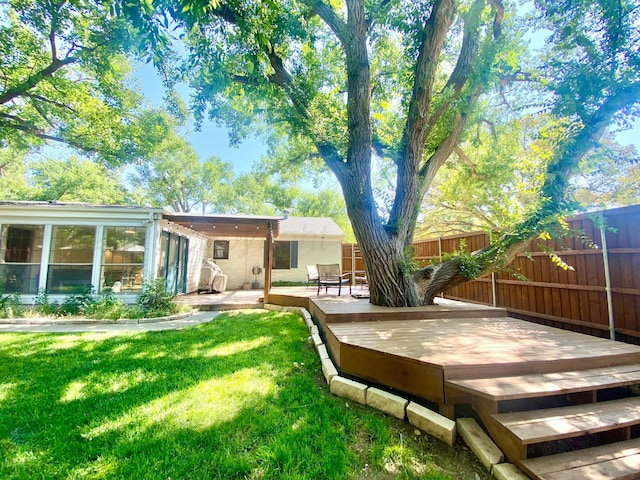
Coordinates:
<point>239,397</point>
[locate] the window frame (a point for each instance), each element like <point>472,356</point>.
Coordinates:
<point>292,252</point>
<point>224,248</point>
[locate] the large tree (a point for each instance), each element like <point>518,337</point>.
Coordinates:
<point>399,81</point>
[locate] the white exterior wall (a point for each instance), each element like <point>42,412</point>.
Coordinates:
<point>311,251</point>
<point>246,253</point>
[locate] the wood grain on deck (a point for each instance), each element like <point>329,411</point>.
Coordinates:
<point>476,347</point>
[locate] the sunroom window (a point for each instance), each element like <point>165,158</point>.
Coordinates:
<point>20,257</point>
<point>123,258</point>
<point>70,259</point>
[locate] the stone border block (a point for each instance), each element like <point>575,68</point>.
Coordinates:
<point>317,341</point>
<point>328,370</point>
<point>314,330</point>
<point>343,387</point>
<point>507,471</point>
<point>322,352</point>
<point>432,423</point>
<point>272,306</point>
<point>479,442</point>
<point>387,402</point>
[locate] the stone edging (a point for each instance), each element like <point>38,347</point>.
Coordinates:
<point>91,321</point>
<point>417,415</point>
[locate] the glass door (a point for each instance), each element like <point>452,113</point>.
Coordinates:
<point>174,251</point>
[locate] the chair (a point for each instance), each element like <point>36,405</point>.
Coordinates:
<point>361,280</point>
<point>330,276</point>
<point>312,275</point>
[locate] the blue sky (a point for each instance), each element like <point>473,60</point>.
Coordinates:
<point>211,140</point>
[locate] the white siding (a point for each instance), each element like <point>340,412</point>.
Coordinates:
<point>246,253</point>
<point>310,252</point>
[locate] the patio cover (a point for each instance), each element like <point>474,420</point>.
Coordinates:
<point>251,226</point>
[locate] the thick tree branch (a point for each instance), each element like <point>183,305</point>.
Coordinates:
<point>408,187</point>
<point>35,79</point>
<point>331,18</point>
<point>469,50</point>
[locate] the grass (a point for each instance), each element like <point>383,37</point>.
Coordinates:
<point>240,397</point>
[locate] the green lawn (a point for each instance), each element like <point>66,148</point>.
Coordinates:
<point>240,397</point>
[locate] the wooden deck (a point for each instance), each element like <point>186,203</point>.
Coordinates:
<point>418,356</point>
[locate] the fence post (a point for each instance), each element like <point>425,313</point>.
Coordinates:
<point>493,289</point>
<point>353,264</point>
<point>607,278</point>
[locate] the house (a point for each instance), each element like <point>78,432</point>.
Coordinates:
<point>59,247</point>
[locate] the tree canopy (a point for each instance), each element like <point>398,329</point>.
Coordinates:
<point>64,78</point>
<point>401,82</point>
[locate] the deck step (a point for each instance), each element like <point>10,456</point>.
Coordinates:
<point>548,384</point>
<point>550,424</point>
<point>614,461</point>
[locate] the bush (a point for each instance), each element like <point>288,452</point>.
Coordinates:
<point>107,306</point>
<point>10,306</point>
<point>78,302</point>
<point>42,306</point>
<point>156,300</point>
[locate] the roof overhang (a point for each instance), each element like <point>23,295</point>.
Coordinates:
<point>250,226</point>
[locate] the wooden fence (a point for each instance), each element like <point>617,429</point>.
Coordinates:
<point>600,296</point>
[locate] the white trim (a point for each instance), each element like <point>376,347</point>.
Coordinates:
<point>45,257</point>
<point>97,259</point>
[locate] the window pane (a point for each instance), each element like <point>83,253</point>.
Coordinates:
<point>72,244</point>
<point>71,258</point>
<point>164,245</point>
<point>282,255</point>
<point>68,278</point>
<point>21,243</point>
<point>123,258</point>
<point>20,256</point>
<point>21,278</point>
<point>122,278</point>
<point>124,245</point>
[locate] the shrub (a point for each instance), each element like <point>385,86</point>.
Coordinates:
<point>42,305</point>
<point>107,306</point>
<point>156,300</point>
<point>78,302</point>
<point>10,306</point>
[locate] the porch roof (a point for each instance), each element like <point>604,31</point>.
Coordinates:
<point>227,225</point>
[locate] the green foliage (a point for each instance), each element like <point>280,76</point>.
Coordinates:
<point>10,306</point>
<point>107,306</point>
<point>43,305</point>
<point>156,300</point>
<point>74,180</point>
<point>408,264</point>
<point>77,303</point>
<point>470,265</point>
